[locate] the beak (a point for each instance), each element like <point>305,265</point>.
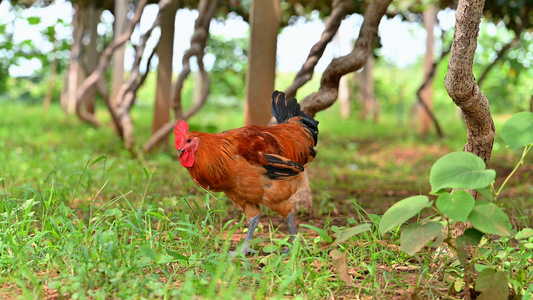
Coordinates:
<point>180,152</point>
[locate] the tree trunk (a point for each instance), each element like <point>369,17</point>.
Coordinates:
<point>261,73</point>
<point>302,200</point>
<point>460,82</point>
<point>52,79</point>
<point>329,84</point>
<point>128,91</point>
<point>206,10</point>
<point>344,90</point>
<point>165,49</point>
<point>421,105</point>
<point>430,18</point>
<point>97,78</point>
<point>344,97</point>
<point>369,104</point>
<point>462,88</point>
<point>120,26</point>
<point>93,18</point>
<point>340,8</point>
<point>75,72</point>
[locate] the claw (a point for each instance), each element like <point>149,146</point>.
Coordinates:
<point>292,232</point>
<point>246,250</point>
<point>286,250</point>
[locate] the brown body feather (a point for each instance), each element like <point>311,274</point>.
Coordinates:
<point>254,165</point>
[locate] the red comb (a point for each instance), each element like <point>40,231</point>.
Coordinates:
<point>180,130</point>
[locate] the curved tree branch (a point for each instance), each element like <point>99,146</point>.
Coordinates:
<point>206,10</point>
<point>103,64</point>
<point>329,84</point>
<point>427,81</point>
<point>127,93</point>
<point>460,82</point>
<point>341,8</point>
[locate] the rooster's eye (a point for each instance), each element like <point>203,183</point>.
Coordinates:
<point>189,140</point>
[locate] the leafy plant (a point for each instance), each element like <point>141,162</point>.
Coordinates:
<point>465,174</point>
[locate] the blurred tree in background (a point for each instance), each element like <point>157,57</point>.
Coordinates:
<point>502,62</point>
<point>85,52</point>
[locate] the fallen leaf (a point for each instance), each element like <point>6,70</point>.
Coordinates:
<point>339,263</point>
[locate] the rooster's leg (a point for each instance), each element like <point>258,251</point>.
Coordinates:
<point>254,221</point>
<point>292,231</point>
<point>292,227</point>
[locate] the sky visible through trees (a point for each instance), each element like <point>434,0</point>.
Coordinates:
<point>403,42</point>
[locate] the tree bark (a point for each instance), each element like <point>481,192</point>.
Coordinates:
<point>429,78</point>
<point>93,18</point>
<point>344,98</point>
<point>330,81</point>
<point>354,61</point>
<point>344,89</point>
<point>261,73</point>
<point>426,94</point>
<point>340,9</point>
<point>460,82</point>
<point>165,51</point>
<point>206,10</point>
<point>369,103</point>
<point>75,71</point>
<point>52,79</point>
<point>96,78</point>
<point>120,26</point>
<point>127,93</point>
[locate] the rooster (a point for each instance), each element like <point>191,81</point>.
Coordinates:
<point>253,165</point>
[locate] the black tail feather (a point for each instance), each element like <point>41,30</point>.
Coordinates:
<point>284,110</point>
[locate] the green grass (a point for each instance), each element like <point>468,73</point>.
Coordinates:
<point>80,218</point>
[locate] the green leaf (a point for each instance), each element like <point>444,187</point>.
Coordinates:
<point>458,285</point>
<point>271,248</point>
<point>146,173</point>
<point>461,170</point>
<point>321,232</point>
<point>456,206</point>
<point>176,255</point>
<point>34,20</point>
<point>98,159</point>
<point>54,285</point>
<point>492,285</point>
<point>113,212</point>
<point>462,249</point>
<point>480,267</point>
<point>489,218</point>
<point>148,252</point>
<point>345,235</point>
<point>517,132</point>
<point>402,211</point>
<point>163,259</point>
<point>416,235</point>
<point>486,192</point>
<point>524,234</point>
<point>473,236</point>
